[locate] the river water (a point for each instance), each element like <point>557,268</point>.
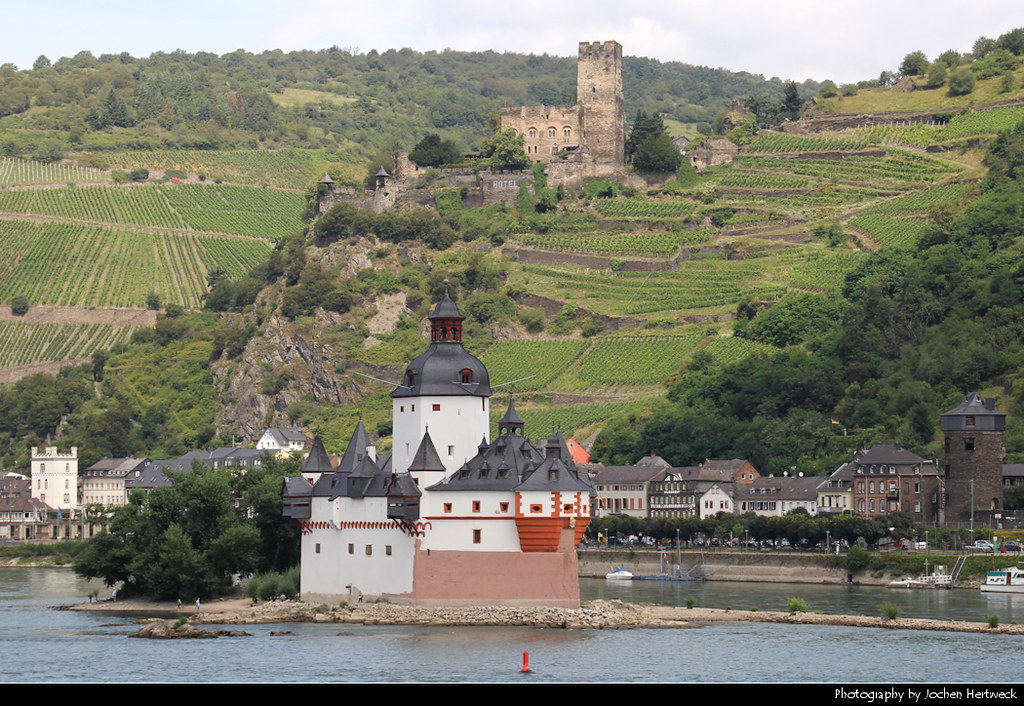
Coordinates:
<point>40,644</point>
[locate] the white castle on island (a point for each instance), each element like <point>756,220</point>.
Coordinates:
<point>450,518</point>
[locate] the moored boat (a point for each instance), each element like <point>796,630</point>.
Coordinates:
<point>1008,580</point>
<point>619,575</point>
<point>937,579</point>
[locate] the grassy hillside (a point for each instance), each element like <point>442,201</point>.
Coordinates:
<point>602,302</point>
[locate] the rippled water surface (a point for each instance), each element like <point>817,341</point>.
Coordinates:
<point>40,644</point>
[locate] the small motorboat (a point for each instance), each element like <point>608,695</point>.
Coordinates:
<point>619,575</point>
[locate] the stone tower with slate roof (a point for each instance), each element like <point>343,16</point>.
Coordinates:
<point>974,451</point>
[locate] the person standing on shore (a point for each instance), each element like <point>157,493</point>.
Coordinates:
<point>197,606</point>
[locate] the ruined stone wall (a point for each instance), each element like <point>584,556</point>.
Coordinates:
<point>599,95</point>
<point>503,186</point>
<point>712,152</point>
<point>546,130</point>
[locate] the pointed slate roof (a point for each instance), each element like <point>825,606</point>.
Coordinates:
<point>318,460</point>
<point>511,422</point>
<point>426,457</point>
<point>356,450</point>
<point>446,307</point>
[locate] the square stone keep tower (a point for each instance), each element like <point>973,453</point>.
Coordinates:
<point>599,97</point>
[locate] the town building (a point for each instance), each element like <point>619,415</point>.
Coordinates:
<point>286,439</point>
<point>624,490</point>
<point>887,478</point>
<point>450,517</point>
<point>835,492</point>
<point>21,515</point>
<point>775,496</point>
<point>700,491</point>
<point>103,483</point>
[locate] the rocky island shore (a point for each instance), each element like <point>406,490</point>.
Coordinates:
<point>602,615</point>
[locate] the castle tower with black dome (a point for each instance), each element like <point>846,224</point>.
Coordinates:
<point>446,390</point>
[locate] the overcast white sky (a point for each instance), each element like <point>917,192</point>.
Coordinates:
<point>843,40</point>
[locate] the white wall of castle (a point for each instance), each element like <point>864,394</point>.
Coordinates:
<point>474,521</point>
<point>457,424</point>
<point>359,548</point>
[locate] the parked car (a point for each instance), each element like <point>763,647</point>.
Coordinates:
<point>982,545</point>
<point>1012,546</point>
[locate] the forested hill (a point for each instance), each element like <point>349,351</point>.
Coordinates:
<point>821,292</point>
<point>357,103</point>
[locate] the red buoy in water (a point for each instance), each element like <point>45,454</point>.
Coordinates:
<point>526,663</point>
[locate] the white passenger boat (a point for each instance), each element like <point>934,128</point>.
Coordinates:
<point>1008,580</point>
<point>619,575</point>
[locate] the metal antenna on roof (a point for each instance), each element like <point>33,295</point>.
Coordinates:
<point>388,382</point>
<point>513,382</point>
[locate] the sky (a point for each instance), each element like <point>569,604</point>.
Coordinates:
<point>842,40</point>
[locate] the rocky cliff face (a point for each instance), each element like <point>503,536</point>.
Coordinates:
<point>282,366</point>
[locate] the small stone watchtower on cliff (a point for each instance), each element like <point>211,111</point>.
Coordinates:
<point>974,449</point>
<point>596,125</point>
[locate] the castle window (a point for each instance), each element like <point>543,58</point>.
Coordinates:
<point>476,506</point>
<point>536,508</point>
<point>467,375</point>
<point>476,536</point>
<point>351,549</point>
<point>533,132</point>
<point>369,550</point>
<point>969,444</point>
<point>448,507</point>
<point>436,407</point>
<point>969,421</point>
<point>567,508</point>
<point>551,132</point>
<point>567,132</point>
<point>387,549</point>
<point>451,451</point>
<point>503,506</point>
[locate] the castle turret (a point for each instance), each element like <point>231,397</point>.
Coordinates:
<point>446,389</point>
<point>974,450</point>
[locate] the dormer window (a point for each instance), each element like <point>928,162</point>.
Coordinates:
<point>410,377</point>
<point>466,376</point>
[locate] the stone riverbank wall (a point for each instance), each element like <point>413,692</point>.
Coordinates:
<point>779,567</point>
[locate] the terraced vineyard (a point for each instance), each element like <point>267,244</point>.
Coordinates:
<point>22,172</point>
<point>282,169</point>
<point>70,238</point>
<point>744,231</point>
<point>76,265</point>
<point>25,344</point>
<point>237,210</point>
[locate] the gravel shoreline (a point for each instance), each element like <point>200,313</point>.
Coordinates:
<point>605,615</point>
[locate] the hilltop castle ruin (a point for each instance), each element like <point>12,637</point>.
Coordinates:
<point>579,142</point>
<point>595,126</point>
